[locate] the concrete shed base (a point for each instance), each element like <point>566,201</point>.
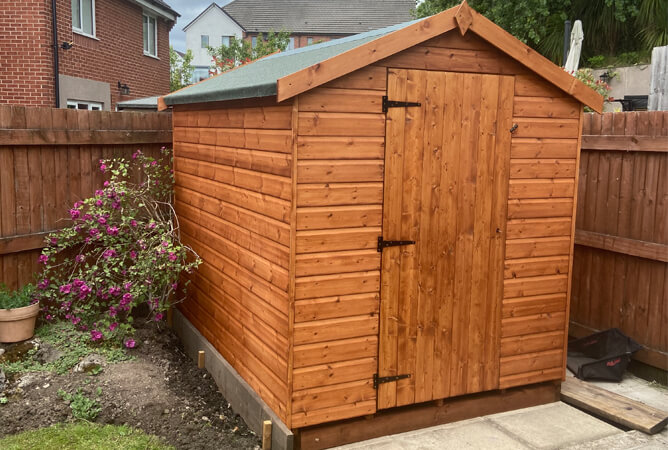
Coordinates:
<point>237,392</point>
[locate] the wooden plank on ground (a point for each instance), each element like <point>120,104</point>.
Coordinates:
<point>613,407</point>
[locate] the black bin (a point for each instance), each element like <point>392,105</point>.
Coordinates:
<point>601,356</point>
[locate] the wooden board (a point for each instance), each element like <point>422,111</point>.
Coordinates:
<point>439,321</point>
<point>613,407</point>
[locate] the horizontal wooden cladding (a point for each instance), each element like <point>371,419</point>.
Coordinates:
<point>336,240</point>
<point>335,373</point>
<point>249,223</point>
<point>453,39</point>
<point>334,194</point>
<point>532,267</point>
<point>370,77</point>
<point>253,262</point>
<point>335,351</point>
<point>541,188</point>
<point>546,128</point>
<point>526,287</point>
<point>512,365</point>
<point>333,414</point>
<point>531,343</point>
<point>534,247</point>
<point>262,204</point>
<point>340,147</point>
<point>328,396</point>
<point>341,100</point>
<point>539,323</point>
<point>334,307</point>
<point>542,168</point>
<point>537,376</point>
<point>530,85</point>
<point>83,137</point>
<point>263,117</point>
<point>453,60</point>
<point>337,262</point>
<point>255,160</point>
<point>531,228</point>
<point>561,108</point>
<point>337,284</point>
<point>263,183</point>
<point>341,124</point>
<point>532,148</point>
<point>339,171</point>
<point>529,306</point>
<point>538,208</point>
<point>270,303</point>
<point>323,330</point>
<point>268,140</point>
<point>326,217</point>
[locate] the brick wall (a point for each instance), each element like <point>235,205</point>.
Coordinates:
<point>301,40</point>
<point>26,64</point>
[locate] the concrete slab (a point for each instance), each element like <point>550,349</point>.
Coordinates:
<point>556,425</point>
<point>633,440</point>
<point>464,435</point>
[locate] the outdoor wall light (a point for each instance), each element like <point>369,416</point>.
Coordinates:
<point>123,88</point>
<point>67,45</point>
<point>605,76</point>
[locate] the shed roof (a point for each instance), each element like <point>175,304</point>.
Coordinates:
<point>290,73</point>
<point>139,103</point>
<point>318,16</point>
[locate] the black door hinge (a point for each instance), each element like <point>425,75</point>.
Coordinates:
<point>397,104</point>
<point>382,244</point>
<point>379,380</point>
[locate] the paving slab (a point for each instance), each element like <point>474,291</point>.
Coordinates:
<point>556,425</point>
<point>633,440</point>
<point>464,435</point>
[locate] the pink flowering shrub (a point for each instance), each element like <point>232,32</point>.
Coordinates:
<point>121,250</point>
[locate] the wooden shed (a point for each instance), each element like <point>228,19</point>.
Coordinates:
<point>385,220</point>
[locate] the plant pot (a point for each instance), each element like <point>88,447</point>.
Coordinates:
<point>18,324</point>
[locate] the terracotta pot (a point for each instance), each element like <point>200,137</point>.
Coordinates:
<point>18,324</point>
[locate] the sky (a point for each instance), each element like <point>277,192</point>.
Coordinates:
<point>189,9</point>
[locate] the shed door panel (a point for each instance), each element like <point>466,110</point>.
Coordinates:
<point>446,184</point>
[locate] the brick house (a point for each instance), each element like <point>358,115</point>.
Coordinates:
<point>107,51</point>
<point>308,21</point>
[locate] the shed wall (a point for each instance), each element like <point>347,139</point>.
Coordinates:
<point>339,214</point>
<point>233,193</point>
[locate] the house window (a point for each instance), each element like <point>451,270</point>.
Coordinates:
<point>83,16</point>
<point>309,41</point>
<point>205,40</point>
<point>291,44</point>
<point>225,40</point>
<point>90,106</point>
<point>150,36</point>
<point>254,41</point>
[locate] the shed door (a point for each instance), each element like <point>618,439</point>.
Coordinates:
<point>446,184</point>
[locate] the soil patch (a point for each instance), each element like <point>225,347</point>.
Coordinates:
<point>161,392</point>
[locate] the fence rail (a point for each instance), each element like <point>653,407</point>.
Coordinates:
<point>48,160</point>
<point>620,268</point>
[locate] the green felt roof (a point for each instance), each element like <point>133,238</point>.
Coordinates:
<point>258,79</point>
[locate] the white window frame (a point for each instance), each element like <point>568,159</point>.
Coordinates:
<point>208,40</point>
<point>155,34</point>
<point>291,43</point>
<point>222,40</point>
<point>89,105</point>
<point>80,30</point>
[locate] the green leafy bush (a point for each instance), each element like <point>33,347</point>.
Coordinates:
<point>121,250</point>
<point>17,299</point>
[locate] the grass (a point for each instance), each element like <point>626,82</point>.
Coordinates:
<point>83,436</point>
<point>73,343</point>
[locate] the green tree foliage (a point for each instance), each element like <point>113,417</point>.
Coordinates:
<point>180,69</point>
<point>611,26</point>
<point>241,51</point>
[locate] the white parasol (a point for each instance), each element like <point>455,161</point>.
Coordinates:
<point>577,36</point>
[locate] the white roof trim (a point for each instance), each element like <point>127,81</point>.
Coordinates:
<point>202,14</point>
<point>155,9</point>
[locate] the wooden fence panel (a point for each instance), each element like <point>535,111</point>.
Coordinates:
<point>49,160</point>
<point>620,269</point>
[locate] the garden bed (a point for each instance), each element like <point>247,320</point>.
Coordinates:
<point>158,390</point>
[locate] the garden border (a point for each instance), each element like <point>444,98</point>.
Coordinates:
<point>243,399</point>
